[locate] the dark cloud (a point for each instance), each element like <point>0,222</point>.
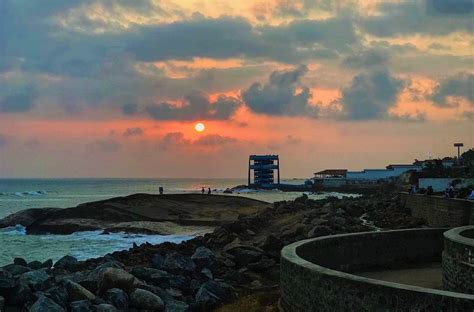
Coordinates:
<point>107,145</point>
<point>196,106</point>
<point>460,85</point>
<point>129,108</point>
<point>214,140</point>
<point>136,131</point>
<point>396,19</point>
<point>226,37</point>
<point>173,140</point>
<point>282,95</point>
<point>371,94</point>
<point>366,58</point>
<point>460,7</point>
<point>17,101</point>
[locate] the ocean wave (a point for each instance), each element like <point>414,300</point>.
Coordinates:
<point>26,193</point>
<point>14,230</point>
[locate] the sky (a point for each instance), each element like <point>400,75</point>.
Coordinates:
<point>103,88</point>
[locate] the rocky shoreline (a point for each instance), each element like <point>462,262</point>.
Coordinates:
<point>234,267</point>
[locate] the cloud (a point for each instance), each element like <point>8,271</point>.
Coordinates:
<point>176,140</point>
<point>196,106</point>
<point>283,95</point>
<point>460,85</point>
<point>371,94</point>
<point>433,17</point>
<point>366,58</point>
<point>214,140</point>
<point>417,117</point>
<point>16,100</point>
<point>107,145</point>
<point>129,132</point>
<point>129,108</point>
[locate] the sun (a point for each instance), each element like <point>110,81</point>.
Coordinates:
<point>199,127</point>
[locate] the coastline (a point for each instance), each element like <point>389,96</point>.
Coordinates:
<point>238,257</point>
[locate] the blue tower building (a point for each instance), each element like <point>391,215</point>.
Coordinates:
<point>264,167</point>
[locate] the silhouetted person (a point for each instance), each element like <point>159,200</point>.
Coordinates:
<point>413,189</point>
<point>209,190</point>
<point>203,191</point>
<point>160,189</point>
<point>451,192</point>
<point>429,190</point>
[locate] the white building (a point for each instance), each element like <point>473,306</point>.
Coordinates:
<point>391,171</point>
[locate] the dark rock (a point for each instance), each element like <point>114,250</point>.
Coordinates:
<point>76,292</point>
<point>80,306</point>
<point>243,254</point>
<point>212,293</point>
<point>272,244</point>
<point>48,264</point>
<point>2,303</point>
<point>117,297</point>
<point>158,261</point>
<point>117,278</point>
<point>104,307</point>
<point>144,299</point>
<point>44,304</point>
<point>35,265</point>
<point>262,265</point>
<point>68,263</point>
<point>36,280</point>
<point>20,261</point>
<point>175,261</point>
<point>58,294</point>
<point>178,281</point>
<point>319,230</point>
<point>16,269</point>
<point>150,275</point>
<point>7,282</point>
<point>207,273</point>
<point>176,306</point>
<point>203,257</point>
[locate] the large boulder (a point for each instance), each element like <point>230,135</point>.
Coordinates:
<point>16,269</point>
<point>177,306</point>
<point>58,294</point>
<point>117,278</point>
<point>68,263</point>
<point>319,230</point>
<point>243,254</point>
<point>77,292</point>
<point>7,282</point>
<point>117,297</point>
<point>20,261</point>
<point>104,307</point>
<point>35,280</point>
<point>35,265</point>
<point>2,303</point>
<point>146,300</point>
<point>262,265</point>
<point>44,304</point>
<point>203,257</point>
<point>177,262</point>
<point>48,264</point>
<point>80,306</point>
<point>213,293</point>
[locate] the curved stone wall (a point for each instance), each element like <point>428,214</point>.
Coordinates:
<point>458,260</point>
<point>316,273</point>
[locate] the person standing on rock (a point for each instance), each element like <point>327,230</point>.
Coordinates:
<point>203,191</point>
<point>160,189</point>
<point>209,191</point>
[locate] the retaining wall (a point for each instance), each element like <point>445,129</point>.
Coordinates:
<point>440,211</point>
<point>440,184</point>
<point>458,260</point>
<point>316,273</point>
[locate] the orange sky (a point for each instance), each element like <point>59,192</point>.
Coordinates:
<point>110,89</point>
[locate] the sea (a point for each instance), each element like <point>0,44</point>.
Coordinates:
<point>19,194</point>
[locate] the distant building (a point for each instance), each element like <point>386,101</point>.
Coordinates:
<point>338,177</point>
<point>446,162</point>
<point>263,167</point>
